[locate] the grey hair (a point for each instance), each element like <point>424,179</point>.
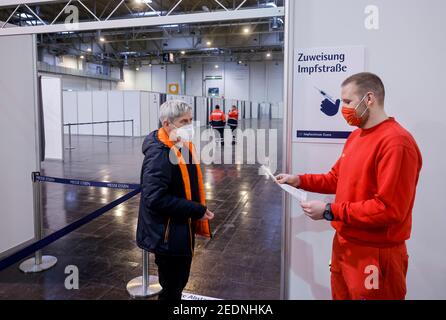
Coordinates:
<point>173,109</point>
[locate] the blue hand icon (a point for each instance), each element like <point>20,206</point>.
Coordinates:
<point>330,108</point>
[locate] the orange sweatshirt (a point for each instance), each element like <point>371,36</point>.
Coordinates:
<point>374,181</point>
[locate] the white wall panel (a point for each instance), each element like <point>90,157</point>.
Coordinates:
<point>274,81</point>
<point>255,110</point>
<point>257,83</point>
<point>194,79</point>
<point>69,101</point>
<point>18,140</point>
<point>100,111</point>
<point>159,78</point>
<point>116,112</point>
<point>201,110</point>
<point>129,82</point>
<point>145,113</point>
<point>143,78</point>
<point>407,66</point>
<point>236,81</point>
<point>53,118</point>
<point>132,110</point>
<point>85,112</point>
<point>154,107</point>
<point>248,110</point>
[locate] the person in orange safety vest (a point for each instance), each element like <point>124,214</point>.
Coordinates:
<point>233,121</point>
<point>217,121</point>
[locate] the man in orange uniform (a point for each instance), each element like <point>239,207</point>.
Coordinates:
<point>374,181</point>
<point>233,121</point>
<point>218,121</point>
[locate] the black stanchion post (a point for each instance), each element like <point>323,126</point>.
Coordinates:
<point>144,286</point>
<point>38,263</point>
<point>133,129</point>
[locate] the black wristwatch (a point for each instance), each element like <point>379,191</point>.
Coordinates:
<point>328,215</point>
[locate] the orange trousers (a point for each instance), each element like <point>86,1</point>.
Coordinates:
<point>367,273</point>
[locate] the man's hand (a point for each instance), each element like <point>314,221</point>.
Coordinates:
<point>208,215</point>
<point>314,209</point>
<point>284,178</point>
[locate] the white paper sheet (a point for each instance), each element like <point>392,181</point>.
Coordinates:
<point>294,192</point>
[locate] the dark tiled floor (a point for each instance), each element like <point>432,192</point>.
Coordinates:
<point>242,261</point>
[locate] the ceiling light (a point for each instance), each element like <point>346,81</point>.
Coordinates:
<point>216,66</point>
<point>81,57</point>
<point>208,43</point>
<point>246,30</point>
<point>89,49</point>
<point>268,55</point>
<point>137,69</point>
<point>183,52</point>
<point>102,39</point>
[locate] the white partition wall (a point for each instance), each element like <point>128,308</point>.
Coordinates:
<point>159,78</point>
<point>257,81</point>
<point>140,106</point>
<point>69,106</point>
<point>412,68</point>
<point>97,106</point>
<point>51,88</point>
<point>254,110</point>
<point>280,110</point>
<point>236,80</point>
<point>100,112</point>
<point>248,108</point>
<point>145,113</point>
<point>201,110</point>
<point>85,112</point>
<point>116,112</point>
<point>154,108</point>
<point>132,110</point>
<point>265,110</point>
<point>18,140</point>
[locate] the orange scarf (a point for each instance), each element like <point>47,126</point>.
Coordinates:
<point>202,227</point>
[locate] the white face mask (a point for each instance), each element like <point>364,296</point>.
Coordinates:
<point>186,133</point>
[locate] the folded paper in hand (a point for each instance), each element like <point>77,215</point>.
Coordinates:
<point>294,192</point>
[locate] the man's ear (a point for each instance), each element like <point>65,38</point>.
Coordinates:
<point>370,99</point>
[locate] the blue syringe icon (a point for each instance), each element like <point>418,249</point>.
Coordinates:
<point>326,96</point>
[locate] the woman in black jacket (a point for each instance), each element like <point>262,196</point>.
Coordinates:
<point>173,206</point>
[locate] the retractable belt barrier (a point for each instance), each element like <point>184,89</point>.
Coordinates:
<point>41,243</point>
<point>85,183</point>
